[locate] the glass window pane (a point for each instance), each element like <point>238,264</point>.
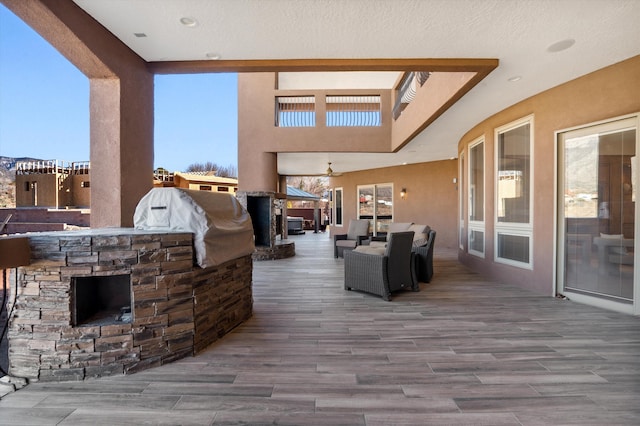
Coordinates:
<point>580,181</point>
<point>599,212</point>
<point>461,192</point>
<point>366,202</point>
<point>461,189</point>
<point>476,183</point>
<point>375,202</point>
<point>384,207</point>
<point>476,241</point>
<point>384,201</point>
<point>338,204</point>
<point>513,247</point>
<point>514,175</point>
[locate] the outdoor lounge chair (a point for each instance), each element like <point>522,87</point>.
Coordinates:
<point>381,271</point>
<point>357,233</point>
<point>424,259</point>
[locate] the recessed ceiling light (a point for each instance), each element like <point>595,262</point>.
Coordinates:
<point>213,56</point>
<point>139,35</point>
<point>188,22</point>
<point>561,45</point>
<point>514,78</point>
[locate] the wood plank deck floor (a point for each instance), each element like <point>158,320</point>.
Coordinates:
<point>462,351</point>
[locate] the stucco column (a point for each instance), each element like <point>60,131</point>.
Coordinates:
<point>257,166</point>
<point>282,183</point>
<point>121,147</point>
<point>257,171</point>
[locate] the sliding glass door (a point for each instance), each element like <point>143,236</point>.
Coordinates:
<point>597,215</point>
<point>375,202</point>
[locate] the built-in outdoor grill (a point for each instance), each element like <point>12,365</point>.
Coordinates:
<point>118,300</point>
<point>222,228</point>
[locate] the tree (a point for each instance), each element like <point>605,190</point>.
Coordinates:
<point>222,171</point>
<point>316,185</point>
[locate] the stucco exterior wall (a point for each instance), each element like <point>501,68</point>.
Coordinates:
<point>259,139</point>
<point>431,196</point>
<point>430,101</point>
<point>256,112</point>
<point>604,94</point>
<point>45,190</point>
<point>81,190</point>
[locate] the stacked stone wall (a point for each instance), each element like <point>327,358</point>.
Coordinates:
<point>178,308</point>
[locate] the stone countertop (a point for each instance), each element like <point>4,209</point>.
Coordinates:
<point>104,232</point>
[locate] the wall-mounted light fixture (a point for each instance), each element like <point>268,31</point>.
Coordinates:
<point>403,193</point>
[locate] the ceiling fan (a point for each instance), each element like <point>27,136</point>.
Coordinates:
<point>331,173</point>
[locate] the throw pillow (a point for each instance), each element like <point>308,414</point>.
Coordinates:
<point>421,242</point>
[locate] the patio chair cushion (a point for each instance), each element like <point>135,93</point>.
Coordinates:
<point>346,243</point>
<point>393,227</point>
<point>399,226</point>
<point>378,244</point>
<point>371,250</point>
<point>357,227</point>
<point>420,232</point>
<point>420,243</point>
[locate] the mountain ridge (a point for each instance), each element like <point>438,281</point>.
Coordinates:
<point>8,179</point>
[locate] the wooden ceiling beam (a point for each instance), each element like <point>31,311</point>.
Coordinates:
<point>482,66</point>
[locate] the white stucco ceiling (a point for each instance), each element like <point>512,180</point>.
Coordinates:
<point>516,32</point>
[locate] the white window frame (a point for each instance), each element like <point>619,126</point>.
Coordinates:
<point>375,186</point>
<point>461,195</point>
<point>476,225</point>
<point>559,229</point>
<point>513,228</point>
<point>335,207</point>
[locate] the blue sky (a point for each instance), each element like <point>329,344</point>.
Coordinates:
<point>44,107</point>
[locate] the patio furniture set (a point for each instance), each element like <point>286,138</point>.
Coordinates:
<point>381,265</point>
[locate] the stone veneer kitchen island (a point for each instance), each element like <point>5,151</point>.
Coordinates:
<point>176,308</point>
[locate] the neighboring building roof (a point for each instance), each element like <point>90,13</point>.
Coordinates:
<point>197,177</point>
<point>299,194</point>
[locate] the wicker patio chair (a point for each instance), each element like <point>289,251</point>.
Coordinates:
<point>357,233</point>
<point>424,259</point>
<point>381,271</point>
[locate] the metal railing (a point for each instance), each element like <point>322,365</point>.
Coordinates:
<point>407,90</point>
<point>341,111</point>
<point>295,111</point>
<point>353,111</point>
<point>43,167</point>
<point>81,167</point>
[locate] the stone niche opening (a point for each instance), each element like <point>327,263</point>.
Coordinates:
<point>101,300</point>
<point>259,209</point>
<point>268,211</point>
